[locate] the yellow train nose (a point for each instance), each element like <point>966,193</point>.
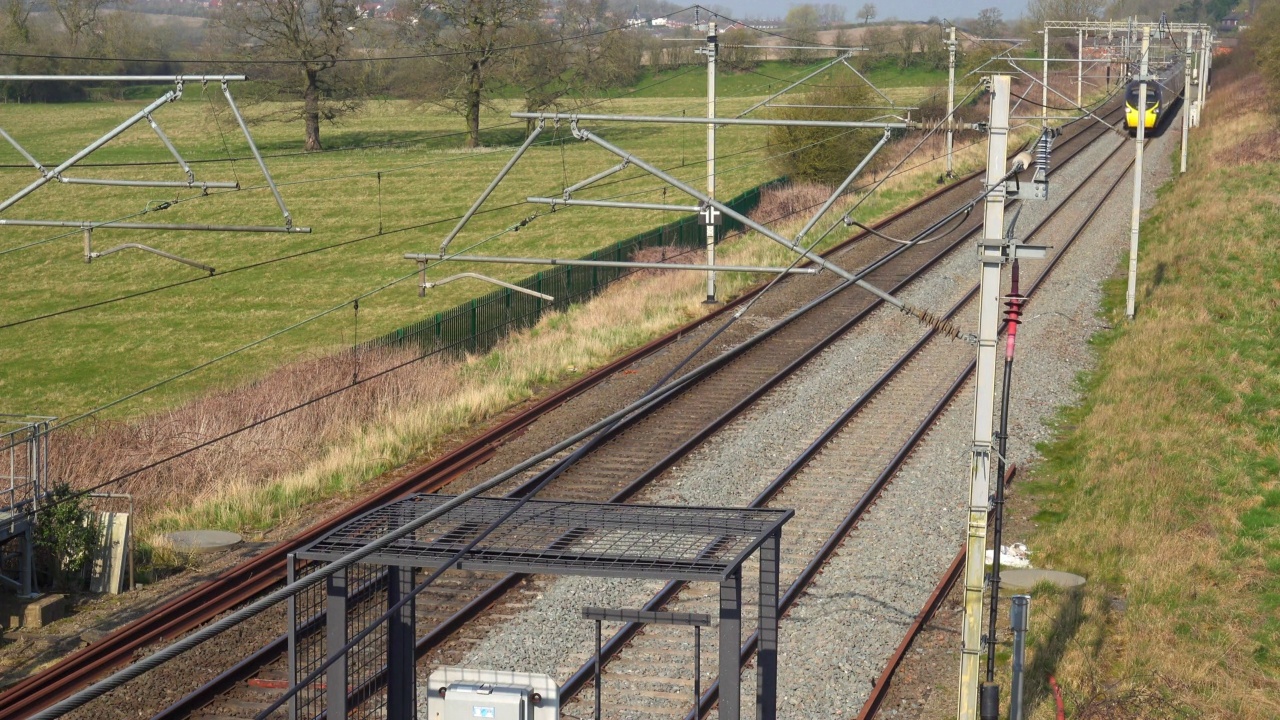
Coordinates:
<point>1131,117</point>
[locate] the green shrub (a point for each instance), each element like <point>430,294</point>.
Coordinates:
<point>818,154</point>
<point>66,535</point>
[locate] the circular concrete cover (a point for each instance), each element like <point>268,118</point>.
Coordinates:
<point>1028,578</point>
<point>202,541</point>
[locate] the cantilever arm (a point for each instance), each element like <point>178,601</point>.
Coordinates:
<point>161,253</point>
<point>485,278</point>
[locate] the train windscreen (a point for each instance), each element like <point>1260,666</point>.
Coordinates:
<point>1131,95</point>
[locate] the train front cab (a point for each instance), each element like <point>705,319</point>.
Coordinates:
<point>1131,105</point>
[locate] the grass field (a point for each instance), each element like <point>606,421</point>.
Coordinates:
<point>410,190</point>
<point>1162,487</point>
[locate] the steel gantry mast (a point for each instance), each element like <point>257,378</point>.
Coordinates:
<point>1135,220</point>
<point>995,250</point>
<point>58,173</point>
<point>710,51</point>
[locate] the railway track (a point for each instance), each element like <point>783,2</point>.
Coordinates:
<point>452,603</point>
<point>640,451</point>
<point>948,579</point>
<point>869,440</point>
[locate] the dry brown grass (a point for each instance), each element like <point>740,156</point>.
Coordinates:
<point>1163,489</point>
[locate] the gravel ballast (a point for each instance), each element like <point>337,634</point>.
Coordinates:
<point>853,617</point>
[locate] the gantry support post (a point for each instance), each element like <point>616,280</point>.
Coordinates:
<point>711,49</point>
<point>730,642</point>
<point>993,257</point>
<point>951,98</point>
<point>1186,97</point>
<point>335,640</point>
<point>767,654</point>
<point>401,634</point>
<point>291,605</point>
<point>1135,219</point>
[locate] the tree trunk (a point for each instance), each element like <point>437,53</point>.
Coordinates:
<point>474,86</point>
<point>311,109</point>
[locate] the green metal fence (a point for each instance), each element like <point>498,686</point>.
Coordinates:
<point>477,325</point>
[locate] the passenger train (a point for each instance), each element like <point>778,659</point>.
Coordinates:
<point>1161,94</point>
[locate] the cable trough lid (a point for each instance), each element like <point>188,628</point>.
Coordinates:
<point>562,538</point>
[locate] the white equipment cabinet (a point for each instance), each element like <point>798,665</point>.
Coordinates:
<point>466,694</point>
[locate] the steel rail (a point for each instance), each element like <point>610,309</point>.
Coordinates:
<point>881,686</point>
<point>620,638</point>
<point>811,570</point>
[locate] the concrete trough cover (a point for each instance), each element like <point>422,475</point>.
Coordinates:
<point>1028,578</point>
<point>197,542</point>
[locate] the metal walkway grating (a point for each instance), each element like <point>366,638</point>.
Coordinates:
<point>600,539</point>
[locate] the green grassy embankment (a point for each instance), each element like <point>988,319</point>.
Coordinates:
<point>1163,487</point>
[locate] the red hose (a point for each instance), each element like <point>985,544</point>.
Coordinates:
<point>1057,698</point>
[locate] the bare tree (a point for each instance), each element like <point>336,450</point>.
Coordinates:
<point>77,16</point>
<point>558,65</point>
<point>311,36</point>
<point>1041,10</point>
<point>470,38</point>
<point>867,13</point>
<point>733,54</point>
<point>802,26</point>
<point>908,37</point>
<point>990,22</point>
<point>831,14</point>
<point>18,15</point>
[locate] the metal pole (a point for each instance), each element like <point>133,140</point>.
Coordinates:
<point>253,147</point>
<point>152,183</point>
<point>613,204</point>
<point>121,78</point>
<point>423,257</point>
<point>1135,219</point>
<point>22,151</point>
<point>748,222</point>
<point>1044,85</point>
<point>598,669</point>
<point>1186,95</point>
<point>1019,615</point>
<point>594,178</point>
<point>697,666</point>
<point>492,186</point>
<point>155,127</point>
<point>784,90</point>
<point>111,225</point>
<point>951,97</point>
<point>167,97</point>
<point>1079,67</point>
<point>684,120</point>
<point>711,158</point>
<point>993,259</point>
<point>843,186</point>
